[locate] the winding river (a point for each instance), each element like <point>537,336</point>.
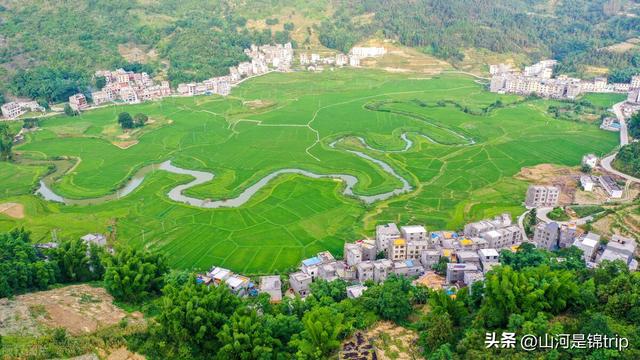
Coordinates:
<point>201,177</point>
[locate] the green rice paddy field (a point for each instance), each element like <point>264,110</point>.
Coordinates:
<point>289,121</point>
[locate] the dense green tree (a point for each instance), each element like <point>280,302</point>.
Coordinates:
<point>321,334</point>
<point>441,266</point>
<point>30,123</point>
<point>69,111</point>
<point>100,82</point>
<point>132,275</point>
<point>246,338</point>
<point>283,328</point>
<point>527,292</point>
<point>73,261</point>
<point>191,317</point>
<point>526,256</point>
<point>51,84</point>
<point>391,300</point>
<point>6,143</point>
<point>125,120</point>
<point>436,329</point>
<point>21,267</point>
<point>336,290</point>
<point>139,120</point>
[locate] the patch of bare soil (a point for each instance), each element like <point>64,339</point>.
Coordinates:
<point>78,308</point>
<point>565,178</point>
<point>133,53</point>
<point>14,210</point>
<point>393,342</point>
<point>124,354</point>
<point>257,104</point>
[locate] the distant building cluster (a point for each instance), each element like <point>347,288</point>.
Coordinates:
<point>315,62</point>
<point>538,79</point>
<point>263,59</point>
<point>412,251</point>
<point>12,110</point>
<point>129,87</point>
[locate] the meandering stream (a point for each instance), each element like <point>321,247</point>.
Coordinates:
<point>201,177</point>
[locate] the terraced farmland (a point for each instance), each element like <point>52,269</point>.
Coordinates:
<point>446,137</point>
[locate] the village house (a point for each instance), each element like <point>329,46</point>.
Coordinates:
<point>542,196</point>
<point>381,269</point>
<point>365,271</point>
<point>96,239</point>
<point>397,250</point>
<point>620,248</point>
<point>385,234</point>
<point>12,110</point>
<point>300,283</point>
<point>271,285</point>
<point>78,102</point>
<point>488,259</point>
<point>589,245</point>
<point>455,272</point>
<point>586,182</point>
<point>590,160</point>
<point>547,235</point>
<point>610,186</point>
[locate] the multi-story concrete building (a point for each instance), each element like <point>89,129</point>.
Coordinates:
<point>620,248</point>
<point>413,232</point>
<point>300,283</point>
<point>363,52</point>
<point>635,82</point>
<point>397,250</point>
<point>365,271</point>
<point>589,245</point>
<point>385,234</point>
<point>455,272</point>
<point>586,182</point>
<point>547,235</point>
<point>78,102</point>
<point>488,259</point>
<point>352,254</point>
<point>429,258</point>
<point>508,236</point>
<point>12,110</point>
<point>381,269</point>
<point>272,285</point>
<point>468,257</point>
<point>542,196</point>
<point>568,234</point>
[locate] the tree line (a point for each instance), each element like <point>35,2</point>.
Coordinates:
<point>533,292</point>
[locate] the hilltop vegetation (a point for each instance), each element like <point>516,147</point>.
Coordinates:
<point>51,49</point>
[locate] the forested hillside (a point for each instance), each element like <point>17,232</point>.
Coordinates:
<point>572,31</point>
<point>51,48</point>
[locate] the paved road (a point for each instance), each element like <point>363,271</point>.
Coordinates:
<point>521,223</point>
<point>543,214</point>
<point>624,132</point>
<point>624,140</point>
<point>606,164</point>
